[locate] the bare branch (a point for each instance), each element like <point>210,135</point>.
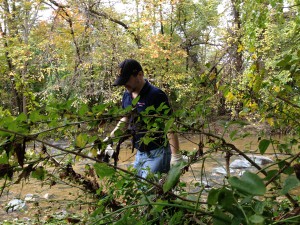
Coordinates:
<point>125,26</point>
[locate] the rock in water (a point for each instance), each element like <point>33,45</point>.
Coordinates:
<point>261,160</point>
<point>221,170</point>
<point>15,205</point>
<point>31,198</point>
<point>239,164</point>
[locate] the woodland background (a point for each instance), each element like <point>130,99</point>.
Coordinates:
<point>241,56</point>
<point>238,60</point>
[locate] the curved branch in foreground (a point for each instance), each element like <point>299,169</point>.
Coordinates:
<point>141,179</point>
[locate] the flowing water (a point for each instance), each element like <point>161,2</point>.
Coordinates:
<point>62,198</point>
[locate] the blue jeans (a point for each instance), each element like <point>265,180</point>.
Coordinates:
<point>155,161</point>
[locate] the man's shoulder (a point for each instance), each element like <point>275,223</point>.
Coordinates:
<point>126,100</point>
<point>156,96</point>
<point>155,90</point>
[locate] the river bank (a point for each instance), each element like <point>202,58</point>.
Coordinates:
<point>68,201</point>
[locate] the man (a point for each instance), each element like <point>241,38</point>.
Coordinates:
<point>154,156</point>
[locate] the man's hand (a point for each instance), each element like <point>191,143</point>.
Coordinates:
<point>176,158</point>
<point>109,150</point>
<point>108,153</point>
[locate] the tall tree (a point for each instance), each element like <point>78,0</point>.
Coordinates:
<point>18,19</point>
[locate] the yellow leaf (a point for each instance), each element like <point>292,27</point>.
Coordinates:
<point>94,152</point>
<point>253,67</point>
<point>270,121</point>
<point>252,49</point>
<point>243,113</point>
<point>240,48</point>
<point>276,89</point>
<point>212,76</point>
<point>230,96</point>
<point>253,106</point>
<point>249,75</point>
<point>154,56</point>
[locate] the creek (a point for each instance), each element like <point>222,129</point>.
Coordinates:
<point>63,198</point>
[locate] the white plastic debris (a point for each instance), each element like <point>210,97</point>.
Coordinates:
<point>15,205</point>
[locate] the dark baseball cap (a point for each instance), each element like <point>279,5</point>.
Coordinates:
<point>127,68</point>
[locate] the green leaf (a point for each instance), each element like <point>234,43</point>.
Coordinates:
<point>237,122</point>
<point>220,218</point>
<point>256,219</point>
<point>148,110</point>
<point>22,117</point>
<point>271,174</point>
<point>99,108</point>
<point>168,125</point>
<point>146,139</point>
<point>83,110</point>
<point>173,176</point>
<point>260,207</point>
<point>263,145</point>
<point>81,140</point>
<point>103,170</point>
<point>290,183</point>
<point>289,170</point>
<point>213,196</point>
<point>35,116</point>
<point>250,184</point>
<point>226,199</point>
<point>284,61</point>
<point>39,173</point>
<point>100,209</point>
<point>135,101</point>
<point>284,148</point>
<point>3,159</point>
<point>162,107</point>
<point>4,134</point>
<point>176,218</point>
<point>157,208</point>
<point>232,135</point>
